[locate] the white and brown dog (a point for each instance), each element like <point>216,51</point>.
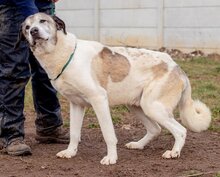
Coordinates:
<point>89,73</point>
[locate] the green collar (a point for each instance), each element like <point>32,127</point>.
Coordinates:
<point>67,63</point>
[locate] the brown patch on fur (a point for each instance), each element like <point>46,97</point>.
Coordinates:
<point>172,89</point>
<point>110,64</point>
<point>159,70</point>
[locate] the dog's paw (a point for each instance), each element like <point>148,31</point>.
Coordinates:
<point>171,154</point>
<point>134,145</point>
<point>66,154</point>
<point>108,160</point>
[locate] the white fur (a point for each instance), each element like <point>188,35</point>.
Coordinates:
<point>139,89</point>
<point>194,114</point>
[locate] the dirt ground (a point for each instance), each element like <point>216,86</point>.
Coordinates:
<point>200,155</point>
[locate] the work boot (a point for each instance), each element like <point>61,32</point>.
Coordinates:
<point>17,147</point>
<point>59,136</point>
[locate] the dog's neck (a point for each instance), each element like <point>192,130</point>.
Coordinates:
<point>53,61</point>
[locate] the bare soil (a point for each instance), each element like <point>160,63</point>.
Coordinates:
<point>200,155</point>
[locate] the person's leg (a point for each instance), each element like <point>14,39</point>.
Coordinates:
<point>14,75</point>
<point>49,120</point>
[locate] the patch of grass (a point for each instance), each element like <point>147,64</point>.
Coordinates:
<point>116,120</point>
<point>90,112</point>
<point>216,111</point>
<point>117,113</point>
<point>217,69</point>
<point>66,123</point>
<point>93,125</point>
<point>28,103</point>
<point>217,175</point>
<point>214,128</point>
<point>204,78</point>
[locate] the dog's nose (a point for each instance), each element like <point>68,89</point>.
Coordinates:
<point>34,31</point>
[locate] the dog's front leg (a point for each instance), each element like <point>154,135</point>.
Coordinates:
<point>76,119</point>
<point>101,108</point>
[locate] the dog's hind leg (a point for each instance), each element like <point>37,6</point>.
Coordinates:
<point>152,127</point>
<point>76,119</point>
<point>159,113</point>
<point>101,108</point>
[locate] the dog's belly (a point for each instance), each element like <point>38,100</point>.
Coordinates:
<point>128,93</point>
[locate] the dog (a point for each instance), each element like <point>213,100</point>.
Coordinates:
<point>89,73</point>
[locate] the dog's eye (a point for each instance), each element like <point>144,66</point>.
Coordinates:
<point>42,21</point>
<point>27,27</point>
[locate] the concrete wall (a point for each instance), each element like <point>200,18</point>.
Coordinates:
<point>183,24</point>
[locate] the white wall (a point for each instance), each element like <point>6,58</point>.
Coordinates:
<point>184,24</point>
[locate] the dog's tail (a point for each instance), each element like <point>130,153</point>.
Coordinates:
<point>195,115</point>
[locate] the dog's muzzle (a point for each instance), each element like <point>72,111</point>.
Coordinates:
<point>34,32</point>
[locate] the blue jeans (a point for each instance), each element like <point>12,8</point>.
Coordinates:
<point>14,75</point>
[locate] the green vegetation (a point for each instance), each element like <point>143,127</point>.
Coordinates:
<point>117,113</point>
<point>204,75</point>
<point>217,175</point>
<point>93,125</point>
<point>28,98</point>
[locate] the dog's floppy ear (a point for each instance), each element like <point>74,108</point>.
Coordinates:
<point>20,38</point>
<point>59,24</point>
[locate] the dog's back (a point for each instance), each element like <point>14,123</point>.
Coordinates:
<point>125,72</point>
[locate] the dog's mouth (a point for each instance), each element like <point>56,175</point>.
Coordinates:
<point>38,39</point>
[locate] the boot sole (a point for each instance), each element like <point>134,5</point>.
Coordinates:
<point>20,153</point>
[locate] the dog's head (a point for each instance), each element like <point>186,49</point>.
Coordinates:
<point>40,30</point>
